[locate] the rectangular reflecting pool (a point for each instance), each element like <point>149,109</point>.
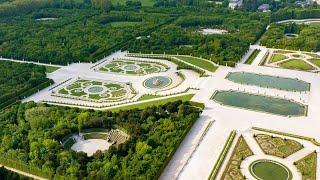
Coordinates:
<point>281,83</point>
<point>260,103</point>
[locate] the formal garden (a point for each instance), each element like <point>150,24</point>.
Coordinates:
<point>133,67</point>
<point>276,146</point>
<point>157,82</point>
<point>267,81</point>
<point>266,164</point>
<point>297,60</point>
<point>260,103</point>
<point>308,166</point>
<point>241,151</point>
<point>96,90</point>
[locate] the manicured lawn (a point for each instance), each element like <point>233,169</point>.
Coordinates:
<point>277,146</point>
<point>308,166</point>
<point>198,62</point>
<point>50,69</point>
<point>187,97</point>
<point>252,56</point>
<point>95,135</point>
<point>296,64</point>
<point>277,57</point>
<point>269,170</point>
<point>147,97</point>
<point>241,151</point>
<point>315,61</point>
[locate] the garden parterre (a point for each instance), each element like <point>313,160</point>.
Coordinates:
<point>97,90</point>
<point>131,67</point>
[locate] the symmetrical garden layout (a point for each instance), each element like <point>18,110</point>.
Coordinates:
<point>130,67</point>
<point>273,96</point>
<point>97,90</point>
<point>268,156</point>
<point>297,60</point>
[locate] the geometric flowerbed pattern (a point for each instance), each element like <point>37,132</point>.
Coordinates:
<point>304,61</point>
<point>277,146</point>
<point>270,146</point>
<point>96,90</point>
<point>130,67</point>
<point>240,152</point>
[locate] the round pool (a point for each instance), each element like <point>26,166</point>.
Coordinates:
<point>157,82</point>
<point>130,67</point>
<point>95,89</point>
<point>269,170</point>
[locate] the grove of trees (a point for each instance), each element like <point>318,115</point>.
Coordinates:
<point>18,80</point>
<point>308,37</point>
<point>30,133</point>
<point>76,35</point>
<point>183,37</point>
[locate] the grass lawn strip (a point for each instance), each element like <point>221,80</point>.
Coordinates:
<point>277,57</point>
<point>277,146</point>
<point>155,102</point>
<point>95,135</point>
<point>296,64</point>
<point>147,97</point>
<point>240,152</point>
<point>50,69</point>
<point>198,62</point>
<point>222,156</point>
<point>308,166</point>
<point>315,61</point>
<point>252,56</point>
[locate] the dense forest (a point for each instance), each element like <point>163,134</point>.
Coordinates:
<point>19,80</point>
<point>308,38</point>
<point>87,30</point>
<point>183,36</point>
<point>30,133</point>
<point>75,35</point>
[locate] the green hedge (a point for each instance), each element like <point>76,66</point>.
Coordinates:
<point>222,156</point>
<point>176,146</point>
<point>26,93</point>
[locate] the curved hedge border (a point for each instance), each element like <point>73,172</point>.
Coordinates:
<point>222,156</point>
